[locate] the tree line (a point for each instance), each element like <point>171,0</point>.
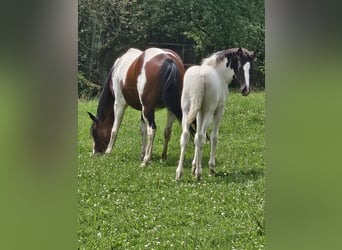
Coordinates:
<point>193,28</point>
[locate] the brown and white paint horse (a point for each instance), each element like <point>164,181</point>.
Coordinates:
<point>145,80</point>
<point>204,95</point>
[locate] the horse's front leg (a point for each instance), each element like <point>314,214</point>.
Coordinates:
<point>119,110</point>
<point>167,133</point>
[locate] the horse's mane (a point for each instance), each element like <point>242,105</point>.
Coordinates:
<point>219,56</point>
<point>106,98</point>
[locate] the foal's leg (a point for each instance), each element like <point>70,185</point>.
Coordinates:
<point>167,133</point>
<point>213,140</point>
<point>200,138</point>
<point>119,110</point>
<point>151,131</point>
<point>143,131</point>
<point>183,141</point>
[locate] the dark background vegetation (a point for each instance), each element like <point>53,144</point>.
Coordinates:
<point>193,28</point>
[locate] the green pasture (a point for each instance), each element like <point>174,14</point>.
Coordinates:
<point>123,206</point>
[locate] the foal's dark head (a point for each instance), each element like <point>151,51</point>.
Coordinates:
<point>241,60</point>
<point>100,131</point>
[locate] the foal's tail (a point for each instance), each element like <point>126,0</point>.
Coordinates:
<point>171,87</point>
<point>196,99</point>
<point>195,102</point>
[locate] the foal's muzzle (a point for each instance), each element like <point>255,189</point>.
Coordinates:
<point>244,90</point>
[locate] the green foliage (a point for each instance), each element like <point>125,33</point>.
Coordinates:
<point>123,206</point>
<point>108,27</point>
<point>87,89</point>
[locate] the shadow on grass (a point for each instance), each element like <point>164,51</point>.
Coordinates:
<point>240,176</point>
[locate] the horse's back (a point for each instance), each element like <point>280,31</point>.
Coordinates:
<point>196,76</point>
<point>201,86</point>
<point>151,80</point>
<point>136,76</point>
<point>123,63</point>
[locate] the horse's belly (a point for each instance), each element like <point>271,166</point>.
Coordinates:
<point>133,100</point>
<point>131,95</point>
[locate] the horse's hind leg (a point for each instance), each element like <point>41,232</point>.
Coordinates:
<point>203,121</point>
<point>151,131</point>
<point>119,110</point>
<point>143,131</point>
<point>183,141</point>
<point>167,133</point>
<point>213,140</point>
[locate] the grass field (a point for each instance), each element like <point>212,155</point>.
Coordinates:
<point>123,206</point>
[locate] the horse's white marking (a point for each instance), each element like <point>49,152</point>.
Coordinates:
<point>149,54</point>
<point>246,68</point>
<point>122,65</point>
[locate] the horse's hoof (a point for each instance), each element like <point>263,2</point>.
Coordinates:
<point>198,177</point>
<point>212,172</point>
<point>178,176</point>
<point>193,170</point>
<point>145,163</point>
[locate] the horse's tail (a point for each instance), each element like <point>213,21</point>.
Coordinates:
<point>171,87</point>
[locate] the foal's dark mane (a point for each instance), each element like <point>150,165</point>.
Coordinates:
<point>106,101</point>
<point>226,53</point>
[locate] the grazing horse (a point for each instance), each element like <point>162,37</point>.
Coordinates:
<point>205,91</point>
<point>145,80</point>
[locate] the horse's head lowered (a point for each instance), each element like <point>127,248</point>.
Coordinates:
<point>240,60</point>
<point>100,130</point>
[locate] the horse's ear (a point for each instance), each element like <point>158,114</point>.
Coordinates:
<point>239,52</point>
<point>254,55</point>
<point>92,117</point>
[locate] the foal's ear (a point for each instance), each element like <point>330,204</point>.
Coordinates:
<point>239,52</point>
<point>254,55</point>
<point>92,117</point>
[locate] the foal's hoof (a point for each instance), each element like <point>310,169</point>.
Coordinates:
<point>193,170</point>
<point>145,163</point>
<point>178,176</point>
<point>212,172</point>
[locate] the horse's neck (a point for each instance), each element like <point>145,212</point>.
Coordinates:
<point>105,108</point>
<point>210,61</point>
<point>224,73</point>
